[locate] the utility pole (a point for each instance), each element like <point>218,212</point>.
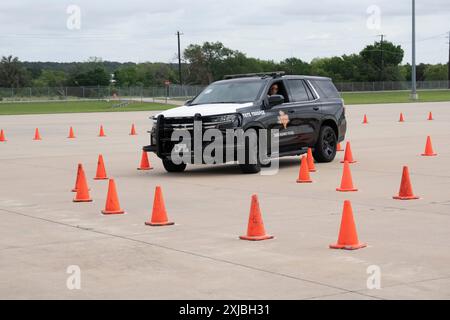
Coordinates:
<point>414,95</point>
<point>179,58</point>
<point>382,36</point>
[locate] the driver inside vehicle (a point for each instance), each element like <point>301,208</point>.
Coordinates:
<point>273,90</point>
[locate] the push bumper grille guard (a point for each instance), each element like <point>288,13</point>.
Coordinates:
<point>163,133</point>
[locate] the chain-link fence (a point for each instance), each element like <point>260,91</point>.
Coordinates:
<point>174,92</point>
<point>177,92</point>
<point>390,86</point>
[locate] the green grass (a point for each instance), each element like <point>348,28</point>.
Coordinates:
<point>103,106</point>
<point>394,97</point>
<point>76,107</point>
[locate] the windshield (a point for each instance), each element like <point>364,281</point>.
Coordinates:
<point>230,92</point>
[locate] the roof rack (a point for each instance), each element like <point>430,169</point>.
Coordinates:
<point>277,74</point>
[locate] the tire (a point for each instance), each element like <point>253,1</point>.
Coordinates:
<point>325,148</point>
<point>172,167</point>
<point>251,165</point>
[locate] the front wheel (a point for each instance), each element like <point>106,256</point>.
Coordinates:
<point>251,164</point>
<point>172,167</point>
<point>325,148</point>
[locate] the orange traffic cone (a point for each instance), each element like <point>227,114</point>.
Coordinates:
<point>82,187</point>
<point>255,229</point>
<point>2,136</point>
<point>365,121</point>
<point>310,158</point>
<point>348,237</point>
<point>402,118</point>
<point>339,148</point>
<point>112,205</point>
<point>304,176</point>
<point>347,180</point>
<point>101,171</point>
<point>133,130</point>
<point>348,154</point>
<point>145,163</point>
<point>406,192</point>
<point>102,132</point>
<point>71,134</point>
<point>37,135</point>
<point>159,213</point>
<point>429,152</point>
<point>430,116</point>
<point>80,168</point>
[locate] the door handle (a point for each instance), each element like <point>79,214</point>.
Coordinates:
<point>291,111</point>
<point>316,108</point>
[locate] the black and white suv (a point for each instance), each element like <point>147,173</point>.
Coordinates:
<point>300,111</point>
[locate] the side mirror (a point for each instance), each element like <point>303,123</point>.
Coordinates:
<point>276,100</point>
<point>187,103</point>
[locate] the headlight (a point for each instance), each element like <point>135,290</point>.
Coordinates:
<point>229,119</point>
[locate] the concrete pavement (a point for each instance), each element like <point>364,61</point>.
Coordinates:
<point>42,232</point>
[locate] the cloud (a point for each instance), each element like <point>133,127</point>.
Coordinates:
<point>139,30</point>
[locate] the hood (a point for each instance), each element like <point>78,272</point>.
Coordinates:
<point>204,110</point>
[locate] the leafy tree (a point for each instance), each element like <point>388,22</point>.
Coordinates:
<point>50,78</point>
<point>206,62</point>
<point>127,76</point>
<point>92,73</point>
<point>12,73</point>
<point>436,72</point>
<point>373,55</point>
<point>295,66</point>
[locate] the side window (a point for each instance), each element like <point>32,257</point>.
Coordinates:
<point>326,89</point>
<point>298,90</point>
<point>279,88</point>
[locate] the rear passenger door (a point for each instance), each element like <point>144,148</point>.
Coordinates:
<point>307,112</point>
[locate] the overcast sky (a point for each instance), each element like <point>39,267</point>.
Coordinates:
<point>144,30</point>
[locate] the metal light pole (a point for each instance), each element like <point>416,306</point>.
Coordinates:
<point>414,95</point>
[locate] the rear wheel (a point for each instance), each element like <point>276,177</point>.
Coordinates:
<point>325,148</point>
<point>172,167</point>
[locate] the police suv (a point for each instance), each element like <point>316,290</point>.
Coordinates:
<point>286,114</point>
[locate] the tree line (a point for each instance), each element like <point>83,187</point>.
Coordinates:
<point>211,61</point>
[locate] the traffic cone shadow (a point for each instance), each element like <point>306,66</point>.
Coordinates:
<point>255,228</point>
<point>348,236</point>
